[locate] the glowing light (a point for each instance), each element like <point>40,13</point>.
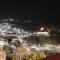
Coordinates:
<point>41,28</point>
<point>43,33</point>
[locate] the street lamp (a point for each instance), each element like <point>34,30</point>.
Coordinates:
<point>41,28</point>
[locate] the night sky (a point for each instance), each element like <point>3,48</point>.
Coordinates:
<point>36,13</point>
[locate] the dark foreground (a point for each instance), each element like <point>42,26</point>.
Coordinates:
<point>53,57</point>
